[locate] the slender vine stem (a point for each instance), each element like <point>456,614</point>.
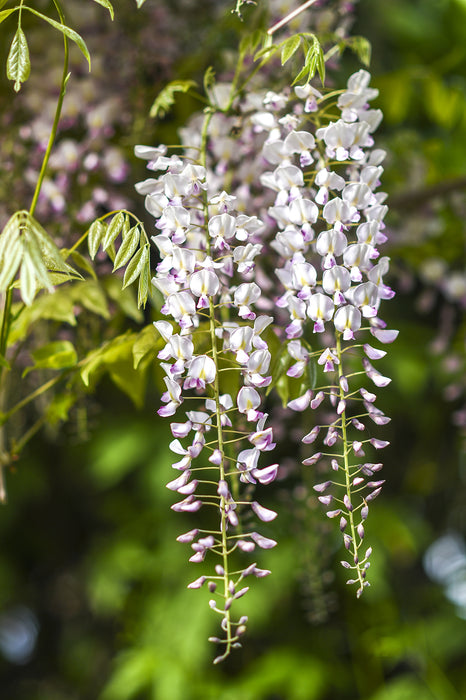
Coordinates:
<point>6,319</point>
<point>53,133</point>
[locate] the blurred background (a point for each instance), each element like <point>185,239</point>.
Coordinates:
<point>93,597</point>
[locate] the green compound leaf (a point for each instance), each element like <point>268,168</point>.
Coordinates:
<point>108,5</point>
<point>166,98</point>
<point>315,61</point>
<point>59,354</point>
<point>51,255</point>
<point>289,48</point>
<point>26,245</point>
<point>67,31</point>
<point>116,359</point>
<point>18,65</point>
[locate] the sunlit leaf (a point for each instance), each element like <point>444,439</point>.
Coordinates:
<point>147,343</point>
<point>27,279</point>
<point>289,48</point>
<point>108,5</point>
<point>18,66</point>
<point>128,246</point>
<point>144,280</point>
<point>10,263</point>
<point>95,237</point>
<point>6,13</point>
<point>59,408</point>
<point>136,266</point>
<point>124,299</point>
<point>361,47</point>
<point>113,230</point>
<point>60,354</point>
<point>82,262</point>
<point>35,253</point>
<point>51,254</point>
<point>116,359</point>
<point>140,3</point>
<point>166,98</point>
<point>67,31</point>
<point>9,234</point>
<point>90,296</point>
<point>47,307</point>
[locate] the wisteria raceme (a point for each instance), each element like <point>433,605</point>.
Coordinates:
<point>214,352</point>
<point>329,225</point>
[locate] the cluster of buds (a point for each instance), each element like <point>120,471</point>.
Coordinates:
<point>214,353</point>
<point>329,220</point>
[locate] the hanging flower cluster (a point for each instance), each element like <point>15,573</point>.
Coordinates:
<point>215,353</point>
<point>329,219</point>
<point>320,207</point>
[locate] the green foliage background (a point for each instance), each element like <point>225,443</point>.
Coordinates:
<point>88,537</point>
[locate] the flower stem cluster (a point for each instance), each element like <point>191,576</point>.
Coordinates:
<point>214,353</point>
<point>329,225</point>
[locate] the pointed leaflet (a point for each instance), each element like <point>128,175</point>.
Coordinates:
<point>27,279</point>
<point>113,230</point>
<point>81,262</point>
<point>361,47</point>
<point>51,255</point>
<point>18,65</point>
<point>6,13</point>
<point>136,266</point>
<point>95,237</point>
<point>11,252</point>
<point>128,246</point>
<point>147,343</point>
<point>35,254</point>
<point>289,47</point>
<point>108,5</point>
<point>67,31</point>
<point>59,354</point>
<point>166,98</point>
<point>90,296</point>
<point>9,234</point>
<point>11,264</point>
<point>144,280</point>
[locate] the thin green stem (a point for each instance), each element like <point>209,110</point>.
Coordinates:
<point>34,395</point>
<point>347,466</point>
<point>218,407</point>
<point>53,133</point>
